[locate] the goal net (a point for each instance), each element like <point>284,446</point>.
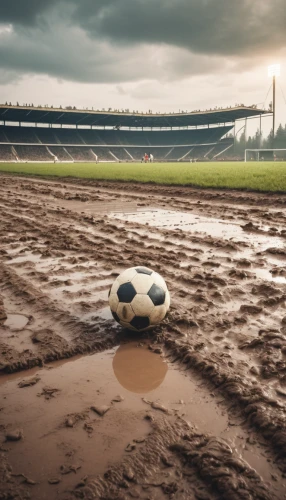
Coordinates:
<point>265,155</point>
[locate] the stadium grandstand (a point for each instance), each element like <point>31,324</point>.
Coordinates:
<point>56,135</point>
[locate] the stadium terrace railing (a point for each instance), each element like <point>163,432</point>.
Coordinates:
<point>148,146</point>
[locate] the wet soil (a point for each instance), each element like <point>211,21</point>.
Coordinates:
<point>193,410</point>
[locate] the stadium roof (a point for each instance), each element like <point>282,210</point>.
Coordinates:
<point>124,119</point>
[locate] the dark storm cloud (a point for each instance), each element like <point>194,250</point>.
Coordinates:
<point>209,26</point>
<point>69,54</point>
<point>205,26</point>
<point>23,12</point>
<point>127,40</point>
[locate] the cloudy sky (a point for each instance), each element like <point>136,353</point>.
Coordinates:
<point>160,55</point>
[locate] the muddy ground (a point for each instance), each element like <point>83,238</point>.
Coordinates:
<point>195,409</point>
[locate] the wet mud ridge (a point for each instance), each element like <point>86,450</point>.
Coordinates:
<point>80,414</point>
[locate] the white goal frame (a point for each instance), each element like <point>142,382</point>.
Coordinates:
<point>258,151</point>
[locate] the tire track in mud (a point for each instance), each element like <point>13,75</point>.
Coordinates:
<point>59,253</point>
<point>202,467</point>
<point>54,333</point>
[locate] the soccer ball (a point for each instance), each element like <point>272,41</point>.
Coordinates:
<point>139,299</point>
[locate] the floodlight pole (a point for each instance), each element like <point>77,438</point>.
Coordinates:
<point>274,108</point>
<point>274,71</point>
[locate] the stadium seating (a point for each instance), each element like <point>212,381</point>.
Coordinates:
<point>46,136</point>
<point>121,154</point>
<point>80,154</point>
<point>3,136</point>
<point>198,153</point>
<point>103,154</point>
<point>33,153</point>
<point>111,137</point>
<point>138,153</point>
<point>67,136</point>
<point>220,149</point>
<point>6,153</point>
<point>26,134</point>
<point>91,137</point>
<point>178,153</point>
<point>71,144</point>
<point>60,154</point>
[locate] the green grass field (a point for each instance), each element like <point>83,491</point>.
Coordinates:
<point>266,176</point>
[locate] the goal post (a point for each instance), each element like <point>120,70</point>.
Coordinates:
<point>265,155</point>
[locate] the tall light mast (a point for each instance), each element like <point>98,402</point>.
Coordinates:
<point>274,71</point>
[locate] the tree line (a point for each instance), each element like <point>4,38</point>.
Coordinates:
<point>257,141</point>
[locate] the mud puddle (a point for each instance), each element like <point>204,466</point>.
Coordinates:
<point>75,276</point>
<point>267,275</point>
<point>218,228</point>
<point>13,332</point>
<point>40,262</point>
<point>62,433</point>
<point>26,257</point>
<point>94,442</point>
<point>97,207</point>
<point>50,447</point>
<point>103,313</point>
<point>16,321</point>
<point>75,293</point>
<point>78,287</point>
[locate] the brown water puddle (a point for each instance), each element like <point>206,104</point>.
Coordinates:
<point>16,321</point>
<point>79,287</point>
<point>138,370</point>
<point>41,263</point>
<point>95,207</point>
<point>218,228</point>
<point>25,257</point>
<point>267,275</point>
<point>103,313</point>
<point>14,332</point>
<point>132,371</point>
<point>93,443</point>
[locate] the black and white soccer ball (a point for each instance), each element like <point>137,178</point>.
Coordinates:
<point>139,299</point>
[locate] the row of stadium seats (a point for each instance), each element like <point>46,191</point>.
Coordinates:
<point>40,135</point>
<point>9,152</point>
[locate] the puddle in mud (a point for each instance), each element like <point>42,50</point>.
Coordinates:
<point>180,220</point>
<point>104,313</point>
<point>41,263</point>
<point>19,340</point>
<point>99,207</point>
<point>48,443</point>
<point>26,257</point>
<point>96,290</point>
<point>16,250</point>
<point>168,219</point>
<point>75,276</point>
<point>267,275</point>
<point>138,370</point>
<point>131,371</point>
<point>16,321</point>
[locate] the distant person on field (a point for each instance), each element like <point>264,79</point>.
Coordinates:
<point>146,158</point>
<point>151,158</point>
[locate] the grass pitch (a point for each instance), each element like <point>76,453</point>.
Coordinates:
<point>266,176</point>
